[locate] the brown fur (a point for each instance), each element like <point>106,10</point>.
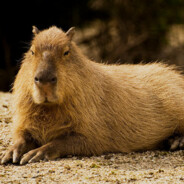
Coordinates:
<point>99,108</point>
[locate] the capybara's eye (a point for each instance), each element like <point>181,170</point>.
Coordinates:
<point>66,53</point>
<point>32,52</point>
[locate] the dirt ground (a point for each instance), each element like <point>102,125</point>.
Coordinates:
<point>148,167</point>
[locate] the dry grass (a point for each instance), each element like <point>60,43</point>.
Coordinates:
<point>147,167</point>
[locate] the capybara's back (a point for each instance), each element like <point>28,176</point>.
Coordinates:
<point>66,104</point>
<point>151,103</point>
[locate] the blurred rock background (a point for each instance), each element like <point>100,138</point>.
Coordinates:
<point>113,31</point>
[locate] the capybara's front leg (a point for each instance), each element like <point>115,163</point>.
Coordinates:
<point>16,151</point>
<point>70,145</point>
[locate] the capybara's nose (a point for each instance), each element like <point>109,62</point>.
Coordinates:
<point>45,77</point>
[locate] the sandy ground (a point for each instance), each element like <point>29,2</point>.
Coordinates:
<point>148,167</point>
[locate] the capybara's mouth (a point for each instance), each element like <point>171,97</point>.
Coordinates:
<point>48,97</point>
<point>48,102</point>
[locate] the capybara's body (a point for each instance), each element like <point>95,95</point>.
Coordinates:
<point>87,108</point>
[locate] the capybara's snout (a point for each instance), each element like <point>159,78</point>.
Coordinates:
<point>45,77</point>
<point>45,83</point>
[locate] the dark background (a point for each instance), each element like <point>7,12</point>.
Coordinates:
<point>113,31</point>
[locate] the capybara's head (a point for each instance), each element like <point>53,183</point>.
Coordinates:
<point>49,52</point>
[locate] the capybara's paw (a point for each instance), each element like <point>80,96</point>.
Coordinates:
<point>7,157</point>
<point>176,143</point>
<point>33,156</point>
<point>13,154</point>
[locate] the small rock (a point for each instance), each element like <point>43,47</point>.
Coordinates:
<point>5,106</point>
<point>67,167</point>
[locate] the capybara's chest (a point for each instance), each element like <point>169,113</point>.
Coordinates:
<point>47,127</point>
<point>44,133</point>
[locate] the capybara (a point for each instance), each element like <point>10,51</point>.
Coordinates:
<point>65,104</point>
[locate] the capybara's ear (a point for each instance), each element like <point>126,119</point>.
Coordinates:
<point>35,30</point>
<point>70,33</point>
